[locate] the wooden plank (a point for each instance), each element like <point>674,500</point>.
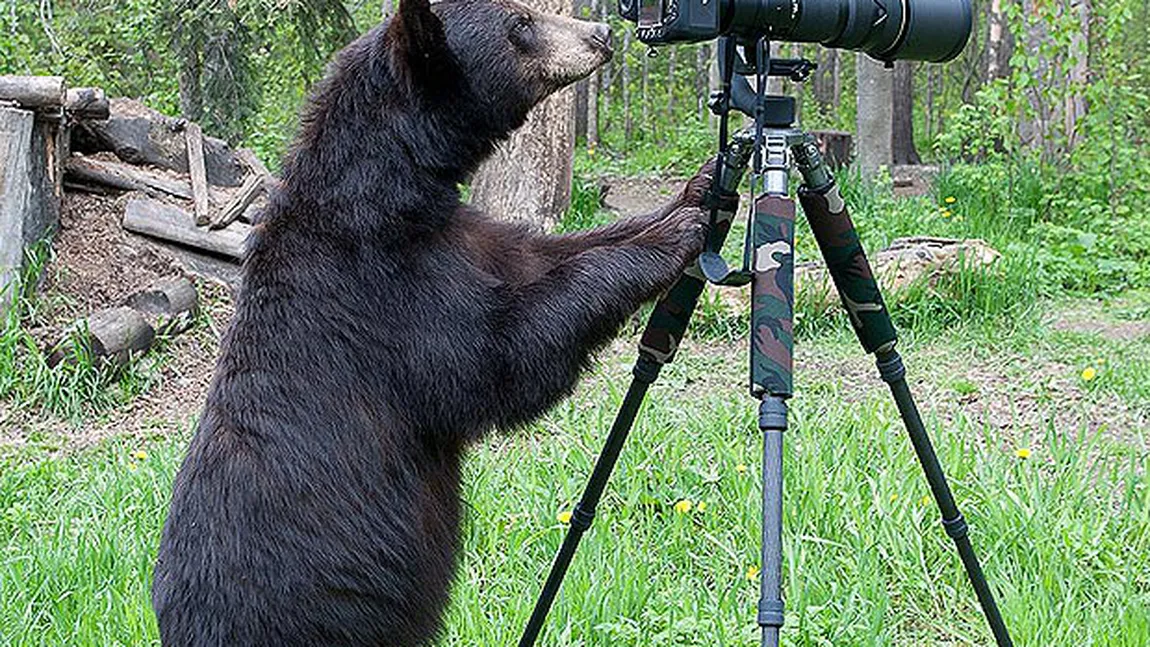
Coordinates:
<point>33,91</point>
<point>15,195</point>
<point>166,222</point>
<point>195,139</point>
<point>247,194</point>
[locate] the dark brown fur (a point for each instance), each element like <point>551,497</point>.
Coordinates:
<point>381,328</point>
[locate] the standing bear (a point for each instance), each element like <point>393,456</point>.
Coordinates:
<point>381,328</point>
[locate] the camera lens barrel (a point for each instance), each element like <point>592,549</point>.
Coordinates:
<point>923,30</point>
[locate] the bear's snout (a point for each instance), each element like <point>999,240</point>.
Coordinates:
<point>601,38</point>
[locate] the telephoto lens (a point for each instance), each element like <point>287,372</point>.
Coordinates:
<point>887,30</point>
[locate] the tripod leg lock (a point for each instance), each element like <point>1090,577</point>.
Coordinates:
<point>956,528</point>
<point>771,613</point>
<point>582,519</point>
<point>647,369</point>
<point>890,367</point>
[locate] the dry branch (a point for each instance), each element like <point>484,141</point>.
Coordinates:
<point>907,262</point>
<point>166,222</point>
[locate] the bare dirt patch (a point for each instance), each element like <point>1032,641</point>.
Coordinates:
<point>96,264</point>
<point>642,195</point>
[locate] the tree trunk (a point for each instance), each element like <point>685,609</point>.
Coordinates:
<point>1078,70</point>
<point>671,60</point>
<point>646,89</point>
<point>875,86</point>
<point>582,10</point>
<point>189,81</point>
<point>902,115</point>
<point>528,179</point>
<point>594,84</point>
<point>702,54</point>
<point>714,80</point>
<point>625,86</point>
<point>836,78</point>
<point>930,73</point>
<point>994,41</point>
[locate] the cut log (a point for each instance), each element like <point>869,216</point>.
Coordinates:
<point>139,135</point>
<point>907,262</point>
<point>33,91</point>
<point>195,139</point>
<point>87,103</point>
<point>112,336</point>
<point>836,147</point>
<point>251,189</point>
<point>88,170</point>
<point>249,158</point>
<point>170,304</point>
<point>166,222</point>
<point>124,176</point>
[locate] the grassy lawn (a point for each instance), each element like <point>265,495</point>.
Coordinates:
<point>1064,534</point>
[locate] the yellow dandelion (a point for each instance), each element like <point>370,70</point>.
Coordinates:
<point>741,468</point>
<point>564,517</point>
<point>132,467</point>
<point>683,506</point>
<point>1022,453</point>
<point>893,497</point>
<point>950,199</point>
<point>925,500</point>
<point>701,506</point>
<point>946,213</point>
<point>752,573</point>
<point>140,455</point>
<point>1089,373</point>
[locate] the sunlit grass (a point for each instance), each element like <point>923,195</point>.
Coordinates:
<point>1064,533</point>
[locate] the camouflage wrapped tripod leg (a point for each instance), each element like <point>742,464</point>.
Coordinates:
<point>839,242</point>
<point>773,297</point>
<point>672,313</point>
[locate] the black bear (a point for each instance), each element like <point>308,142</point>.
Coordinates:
<point>382,326</point>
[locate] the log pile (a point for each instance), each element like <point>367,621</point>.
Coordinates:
<point>191,193</point>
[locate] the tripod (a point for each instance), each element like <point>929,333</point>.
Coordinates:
<point>768,266</point>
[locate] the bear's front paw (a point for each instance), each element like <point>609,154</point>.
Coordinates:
<point>695,193</point>
<point>691,224</point>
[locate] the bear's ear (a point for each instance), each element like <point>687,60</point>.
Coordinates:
<point>417,34</point>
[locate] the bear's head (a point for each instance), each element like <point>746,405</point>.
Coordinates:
<point>410,109</point>
<point>499,54</point>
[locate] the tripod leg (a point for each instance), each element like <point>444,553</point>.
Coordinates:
<point>659,344</point>
<point>848,266</point>
<point>772,350</point>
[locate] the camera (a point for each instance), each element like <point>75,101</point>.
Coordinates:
<point>887,30</point>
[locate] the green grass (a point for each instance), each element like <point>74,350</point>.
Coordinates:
<point>1065,534</point>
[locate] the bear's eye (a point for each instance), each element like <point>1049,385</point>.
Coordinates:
<point>521,29</point>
